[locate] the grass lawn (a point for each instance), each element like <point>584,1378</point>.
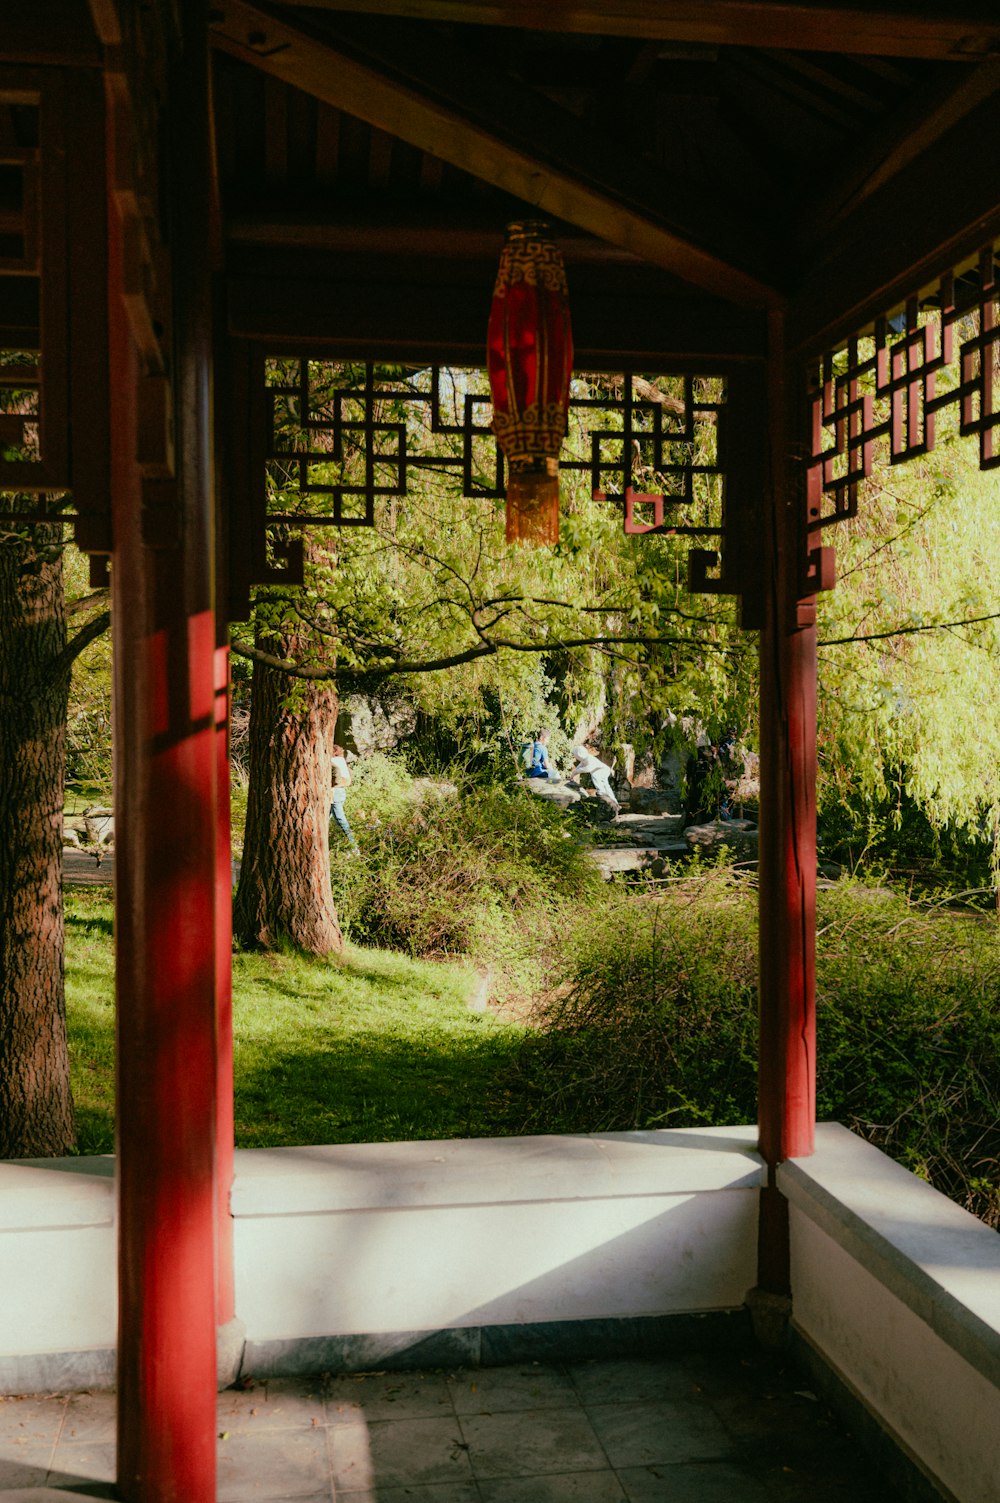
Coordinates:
<point>374,1048</point>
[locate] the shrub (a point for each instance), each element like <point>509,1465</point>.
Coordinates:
<point>478,874</point>
<point>908,1022</point>
<point>656,1024</point>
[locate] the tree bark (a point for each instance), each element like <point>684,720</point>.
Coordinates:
<point>284,893</point>
<point>36,1107</point>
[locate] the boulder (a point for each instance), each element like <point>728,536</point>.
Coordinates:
<point>652,801</point>
<point>560,794</point>
<point>100,825</point>
<point>368,725</point>
<point>741,834</point>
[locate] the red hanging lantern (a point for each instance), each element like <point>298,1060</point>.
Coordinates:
<point>529,356</point>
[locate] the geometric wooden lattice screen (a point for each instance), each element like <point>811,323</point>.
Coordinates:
<point>880,395</point>
<point>328,440</point>
<point>54,434</point>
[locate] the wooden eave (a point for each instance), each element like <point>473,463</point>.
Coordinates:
<point>937,211</point>
<point>906,28</point>
<point>903,154</point>
<point>512,138</point>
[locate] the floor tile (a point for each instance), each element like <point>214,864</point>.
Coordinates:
<point>561,1487</point>
<point>698,1482</point>
<point>532,1441</point>
<point>629,1380</point>
<point>272,1404</point>
<point>403,1453</point>
<point>494,1390</point>
<point>34,1420</point>
<point>82,1461</point>
<point>638,1434</point>
<point>90,1416</point>
<point>430,1492</point>
<point>326,1496</point>
<point>388,1396</point>
<point>281,1464</point>
<point>27,1467</point>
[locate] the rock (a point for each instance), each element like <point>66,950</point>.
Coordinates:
<point>560,794</point>
<point>367,725</point>
<point>70,838</point>
<point>652,801</point>
<point>741,834</point>
<point>650,829</point>
<point>613,861</point>
<point>100,825</point>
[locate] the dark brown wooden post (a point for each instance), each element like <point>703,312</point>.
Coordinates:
<point>166,894</point>
<point>787,872</point>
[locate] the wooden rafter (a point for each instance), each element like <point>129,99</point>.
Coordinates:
<point>891,148</point>
<point>508,136</point>
<point>938,208</point>
<point>906,28</point>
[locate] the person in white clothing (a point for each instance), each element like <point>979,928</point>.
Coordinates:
<point>600,774</point>
<point>341,783</point>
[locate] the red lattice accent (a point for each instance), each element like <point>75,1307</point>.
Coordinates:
<point>884,391</point>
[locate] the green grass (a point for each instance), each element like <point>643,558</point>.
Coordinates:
<point>90,984</point>
<point>374,1048</point>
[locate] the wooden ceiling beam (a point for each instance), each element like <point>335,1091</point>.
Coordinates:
<point>961,30</point>
<point>400,235</point>
<point>508,136</point>
<point>417,318</point>
<point>932,214</point>
<point>890,149</point>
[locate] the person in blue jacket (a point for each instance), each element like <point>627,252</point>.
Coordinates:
<point>540,766</point>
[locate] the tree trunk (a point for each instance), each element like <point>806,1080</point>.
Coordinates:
<point>36,1108</point>
<point>284,893</point>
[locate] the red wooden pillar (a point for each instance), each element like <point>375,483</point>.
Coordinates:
<point>787,856</point>
<point>225,1289</point>
<point>166,897</point>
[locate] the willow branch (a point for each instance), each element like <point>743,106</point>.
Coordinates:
<point>909,631</point>
<point>486,648</point>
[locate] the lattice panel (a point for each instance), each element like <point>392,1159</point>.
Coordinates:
<point>882,394</point>
<point>337,439</point>
<point>330,441</point>
<point>54,426</point>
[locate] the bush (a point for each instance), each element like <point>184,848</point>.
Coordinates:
<point>479,872</point>
<point>908,1021</point>
<point>656,1024</point>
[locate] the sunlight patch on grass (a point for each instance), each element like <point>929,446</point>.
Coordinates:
<point>371,1048</point>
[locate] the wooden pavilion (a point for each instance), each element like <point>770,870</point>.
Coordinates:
<point>741,190</point>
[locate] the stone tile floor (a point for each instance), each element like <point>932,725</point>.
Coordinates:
<point>702,1428</point>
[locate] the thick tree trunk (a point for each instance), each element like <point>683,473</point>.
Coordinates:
<point>36,1108</point>
<point>284,892</point>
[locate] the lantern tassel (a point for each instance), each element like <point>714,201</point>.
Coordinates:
<point>533,502</point>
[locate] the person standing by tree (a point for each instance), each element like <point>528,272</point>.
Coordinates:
<point>341,783</point>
